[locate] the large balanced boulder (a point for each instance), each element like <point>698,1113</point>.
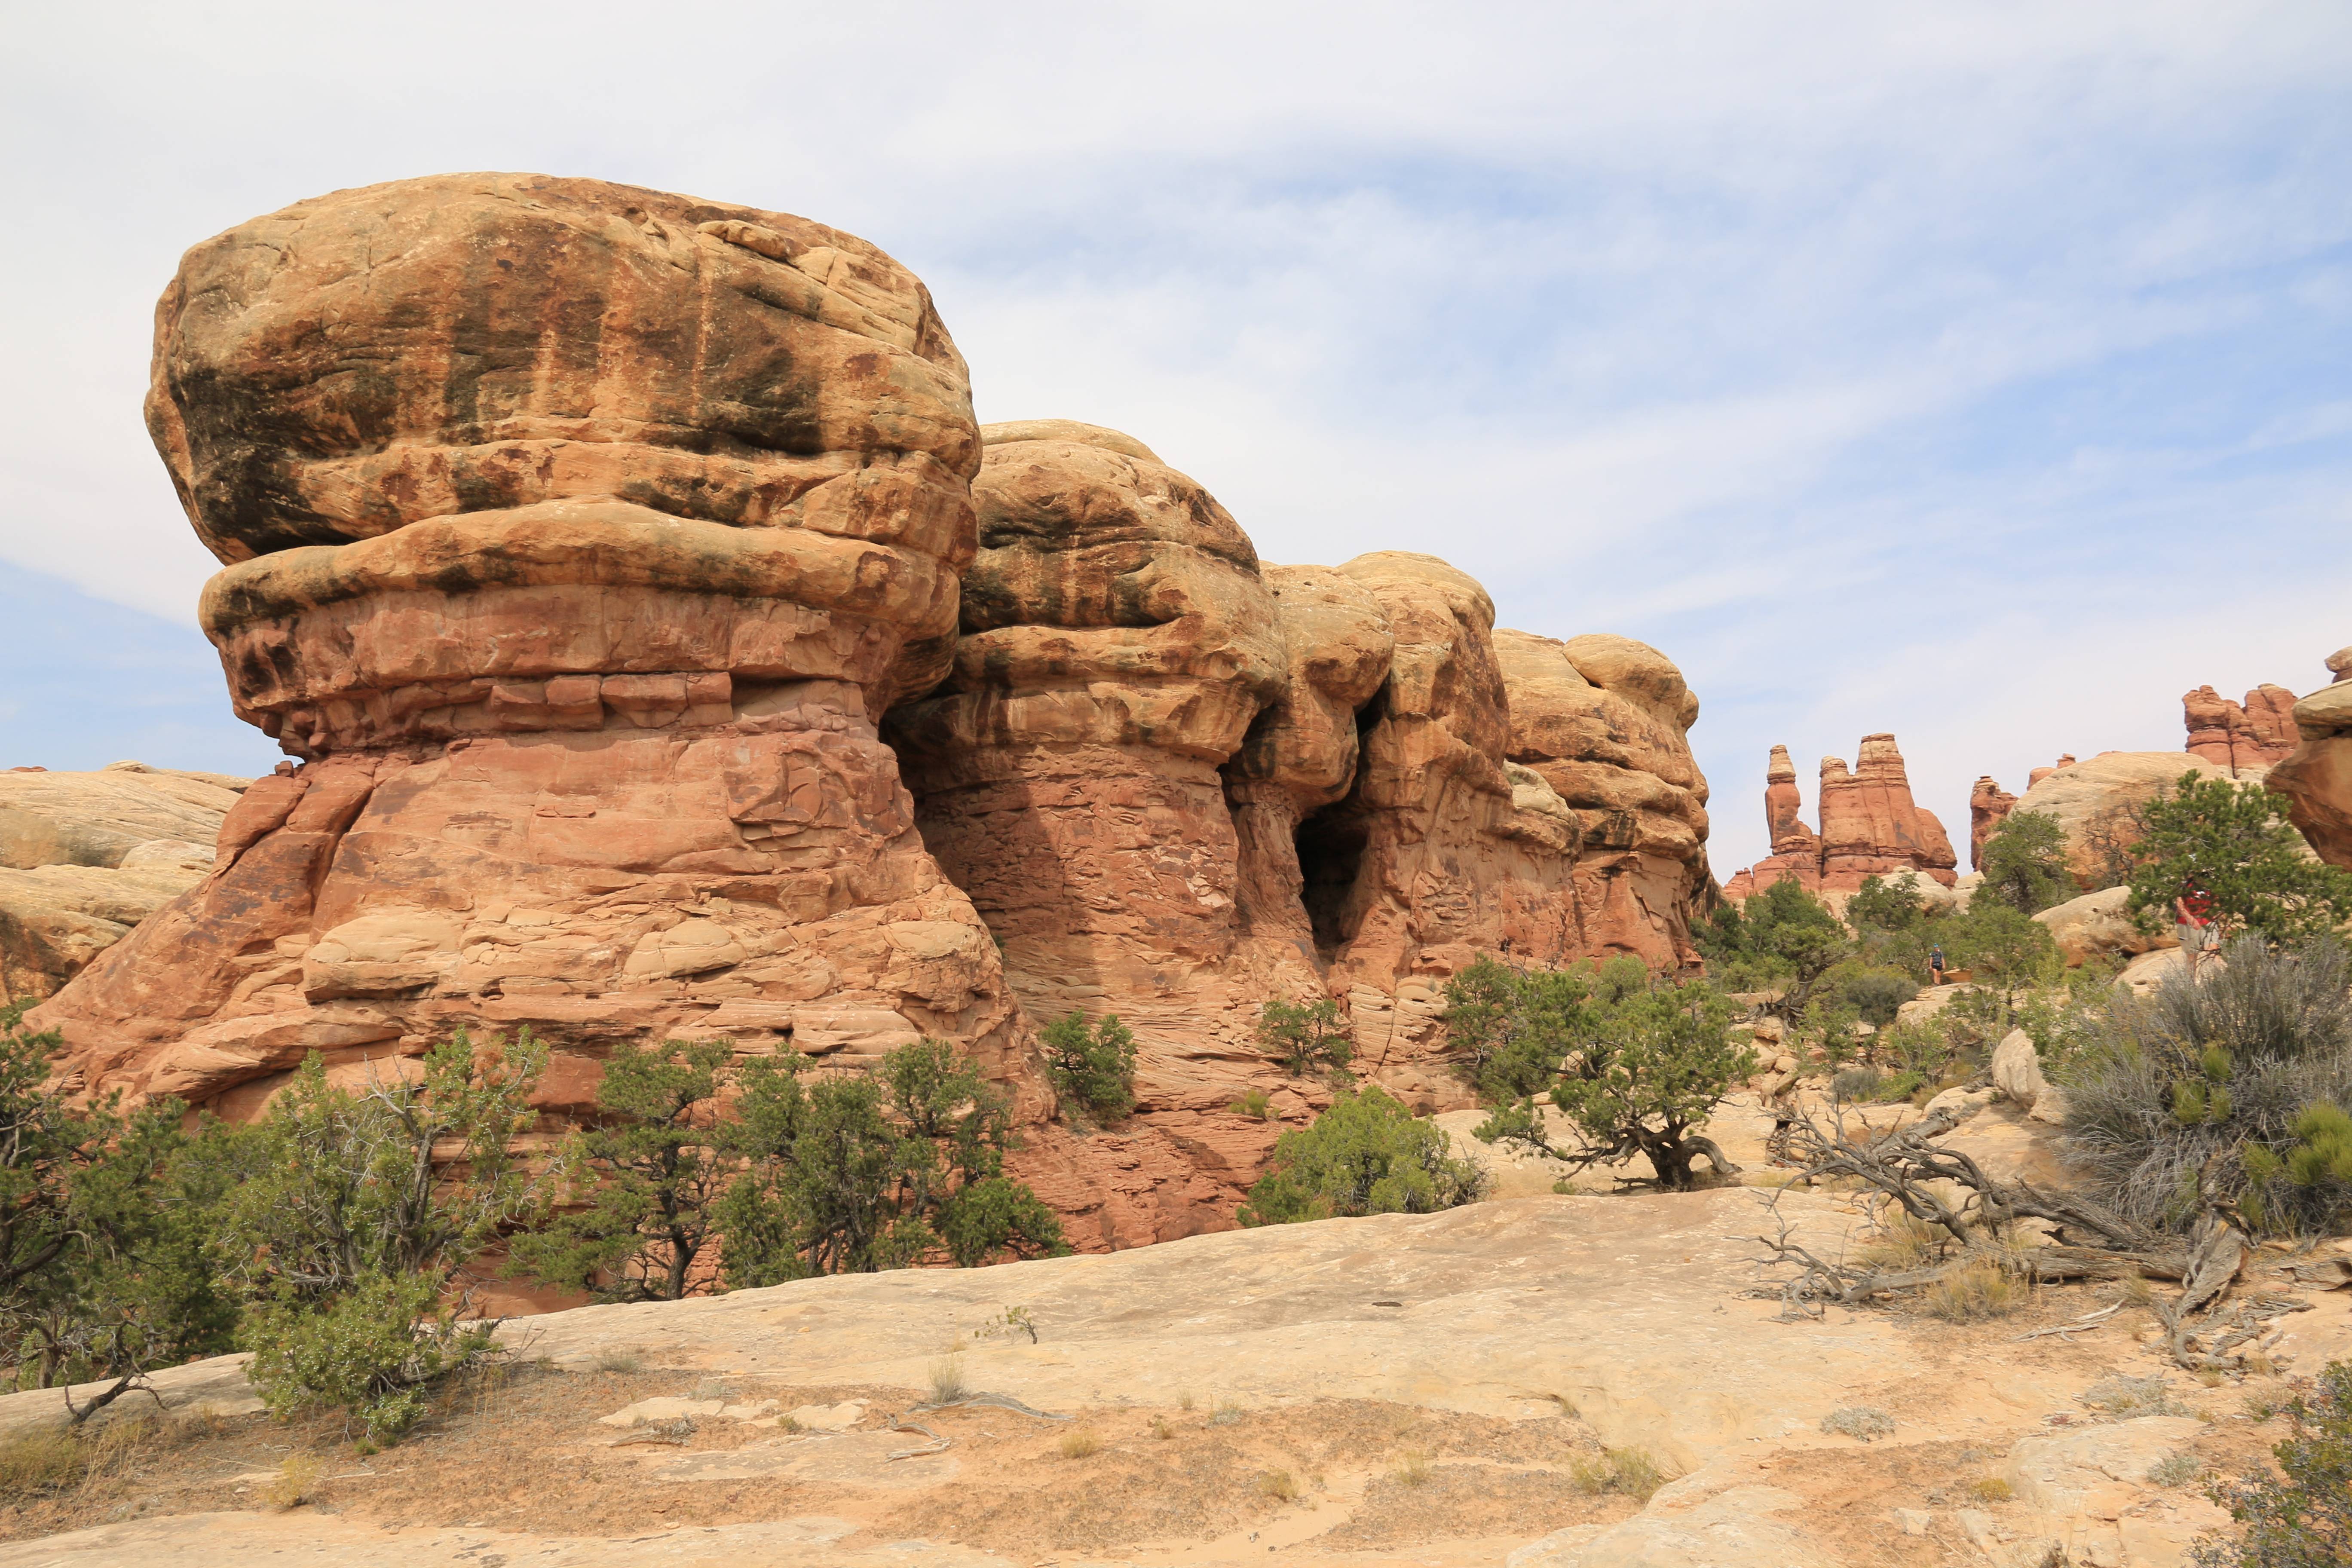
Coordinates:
<point>574,536</point>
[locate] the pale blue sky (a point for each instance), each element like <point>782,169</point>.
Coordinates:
<point>1979,373</point>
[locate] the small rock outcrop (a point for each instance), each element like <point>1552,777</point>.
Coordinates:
<point>84,856</point>
<point>2316,776</point>
<point>2234,736</point>
<point>1988,806</point>
<point>1870,827</point>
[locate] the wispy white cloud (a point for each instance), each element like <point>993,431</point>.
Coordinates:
<point>1978,372</point>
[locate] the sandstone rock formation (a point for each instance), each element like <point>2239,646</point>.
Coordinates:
<point>2235,736</point>
<point>2097,803</point>
<point>581,606</point>
<point>1989,804</point>
<point>2038,774</point>
<point>1870,827</point>
<point>2100,925</point>
<point>605,610</point>
<point>2316,776</point>
<point>84,856</point>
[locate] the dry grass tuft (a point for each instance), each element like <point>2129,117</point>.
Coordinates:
<point>1903,1242</point>
<point>1975,1290</point>
<point>1411,1468</point>
<point>1628,1470</point>
<point>1080,1444</point>
<point>1163,1429</point>
<point>297,1483</point>
<point>627,1362</point>
<point>39,1463</point>
<point>1279,1485</point>
<point>1990,1489</point>
<point>947,1380</point>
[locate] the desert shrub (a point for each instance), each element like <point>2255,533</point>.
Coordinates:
<point>1856,1084</point>
<point>1411,1467</point>
<point>1651,1059</point>
<point>644,1178</point>
<point>1305,1035</point>
<point>2167,1104</point>
<point>2024,863</point>
<point>1092,1065</point>
<point>1080,1444</point>
<point>352,1219</point>
<point>2303,1514</point>
<point>1254,1103</point>
<point>103,1223</point>
<point>2236,841</point>
<point>1861,1422</point>
<point>863,1171</point>
<point>1367,1154</point>
<point>1904,1084</point>
<point>1877,996</point>
<point>1991,1489</point>
<point>2174,1470</point>
<point>1279,1485</point>
<point>1885,906</point>
<point>2120,1395</point>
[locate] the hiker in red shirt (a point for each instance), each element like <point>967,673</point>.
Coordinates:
<point>2199,935</point>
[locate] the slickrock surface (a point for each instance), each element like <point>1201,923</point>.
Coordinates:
<point>670,654</point>
<point>2316,777</point>
<point>84,856</point>
<point>1870,827</point>
<point>1505,1345</point>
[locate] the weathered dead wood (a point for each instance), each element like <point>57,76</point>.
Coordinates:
<point>1913,1171</point>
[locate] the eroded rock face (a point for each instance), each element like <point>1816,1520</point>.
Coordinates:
<point>1988,807</point>
<point>607,605</point>
<point>1870,827</point>
<point>2255,733</point>
<point>2316,776</point>
<point>580,601</point>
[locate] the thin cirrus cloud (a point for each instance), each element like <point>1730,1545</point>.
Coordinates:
<point>1976,371</point>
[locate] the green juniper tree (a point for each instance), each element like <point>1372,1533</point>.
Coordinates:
<point>2024,863</point>
<point>2235,842</point>
<point>1302,1036</point>
<point>1093,1066</point>
<point>1650,1060</point>
<point>857,1173</point>
<point>646,1177</point>
<point>1366,1154</point>
<point>349,1221</point>
<point>103,1221</point>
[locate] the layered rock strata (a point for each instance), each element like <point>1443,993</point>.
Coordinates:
<point>605,556</point>
<point>1870,827</point>
<point>574,536</point>
<point>2255,733</point>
